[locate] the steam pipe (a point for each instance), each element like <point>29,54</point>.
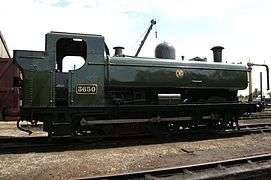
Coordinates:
<point>261,85</point>
<point>153,22</point>
<point>249,83</point>
<point>250,79</point>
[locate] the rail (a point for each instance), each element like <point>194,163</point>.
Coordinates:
<point>13,145</point>
<point>245,167</point>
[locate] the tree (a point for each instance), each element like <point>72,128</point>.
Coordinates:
<point>241,97</point>
<point>269,94</point>
<point>256,93</point>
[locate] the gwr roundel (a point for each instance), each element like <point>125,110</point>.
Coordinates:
<point>179,73</point>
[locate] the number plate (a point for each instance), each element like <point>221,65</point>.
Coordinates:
<point>86,89</point>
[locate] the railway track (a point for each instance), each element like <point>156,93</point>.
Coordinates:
<point>41,144</point>
<point>257,116</point>
<point>252,167</point>
<point>266,114</point>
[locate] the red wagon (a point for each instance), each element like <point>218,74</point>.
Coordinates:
<point>9,85</point>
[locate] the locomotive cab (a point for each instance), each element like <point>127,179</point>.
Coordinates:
<point>58,88</point>
<point>81,87</point>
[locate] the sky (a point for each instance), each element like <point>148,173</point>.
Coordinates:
<point>193,27</point>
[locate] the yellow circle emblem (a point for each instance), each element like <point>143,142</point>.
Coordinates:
<point>179,73</point>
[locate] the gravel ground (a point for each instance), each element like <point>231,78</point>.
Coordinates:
<point>9,129</point>
<point>80,163</point>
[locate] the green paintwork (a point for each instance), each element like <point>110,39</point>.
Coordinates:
<point>88,74</point>
<point>92,72</point>
<point>39,73</point>
<point>36,75</point>
<point>159,73</point>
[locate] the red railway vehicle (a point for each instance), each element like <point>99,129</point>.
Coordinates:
<point>9,85</point>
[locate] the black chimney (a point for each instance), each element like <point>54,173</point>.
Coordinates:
<point>217,51</point>
<point>118,51</point>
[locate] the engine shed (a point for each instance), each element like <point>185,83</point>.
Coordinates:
<point>9,77</point>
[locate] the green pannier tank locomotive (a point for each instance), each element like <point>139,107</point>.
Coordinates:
<point>109,94</point>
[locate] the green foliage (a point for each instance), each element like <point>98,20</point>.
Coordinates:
<point>256,93</point>
<point>269,94</point>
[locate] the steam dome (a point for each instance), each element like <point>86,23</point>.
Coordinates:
<point>165,51</point>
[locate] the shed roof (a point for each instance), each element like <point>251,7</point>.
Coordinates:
<point>4,53</point>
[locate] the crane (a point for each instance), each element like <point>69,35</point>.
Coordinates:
<point>153,22</point>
